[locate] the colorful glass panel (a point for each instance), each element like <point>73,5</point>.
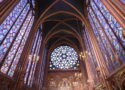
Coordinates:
<point>103,43</point>
<point>33,59</point>
<point>123,1</point>
<point>10,20</point>
<point>111,20</point>
<point>18,54</point>
<point>14,30</point>
<point>33,3</point>
<point>109,31</point>
<point>64,57</point>
<point>16,45</point>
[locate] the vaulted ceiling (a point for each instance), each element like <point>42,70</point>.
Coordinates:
<point>62,24</point>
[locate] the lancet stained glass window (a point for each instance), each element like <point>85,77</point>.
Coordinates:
<point>33,3</point>
<point>90,54</point>
<point>33,59</point>
<point>89,49</point>
<point>64,57</point>
<point>123,1</point>
<point>108,32</point>
<point>13,34</point>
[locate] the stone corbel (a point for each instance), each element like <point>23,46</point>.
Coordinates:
<point>117,79</point>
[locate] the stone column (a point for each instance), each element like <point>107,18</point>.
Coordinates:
<point>100,60</point>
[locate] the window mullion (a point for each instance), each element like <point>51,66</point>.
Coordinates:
<point>30,59</point>
<point>105,30</point>
<point>101,42</point>
<point>109,43</point>
<point>28,76</point>
<point>19,45</point>
<point>13,42</point>
<point>12,26</point>
<point>102,28</point>
<point>120,42</point>
<point>90,51</point>
<point>19,53</point>
<point>35,60</point>
<point>33,63</point>
<point>37,54</point>
<point>88,47</point>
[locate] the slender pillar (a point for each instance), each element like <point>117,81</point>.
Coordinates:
<point>83,70</point>
<point>109,42</point>
<point>120,6</point>
<point>120,16</point>
<point>6,8</point>
<point>89,65</point>
<point>36,83</point>
<point>98,54</point>
<point>21,67</point>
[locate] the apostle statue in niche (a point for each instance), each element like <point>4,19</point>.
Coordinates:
<point>52,82</point>
<point>65,84</point>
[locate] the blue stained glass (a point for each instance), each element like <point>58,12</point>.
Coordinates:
<point>104,40</point>
<point>18,54</point>
<point>32,60</point>
<point>111,27</point>
<point>14,32</point>
<point>89,48</point>
<point>16,44</point>
<point>123,1</point>
<point>33,3</point>
<point>111,20</point>
<point>108,30</point>
<point>9,21</point>
<point>64,57</point>
<point>116,27</point>
<point>103,43</point>
<point>8,40</point>
<point>35,59</point>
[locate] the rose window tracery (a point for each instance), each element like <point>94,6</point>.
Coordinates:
<point>64,57</point>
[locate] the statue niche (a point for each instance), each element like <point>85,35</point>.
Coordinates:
<point>64,85</point>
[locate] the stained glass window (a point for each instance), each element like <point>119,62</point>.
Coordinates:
<point>108,32</point>
<point>64,57</point>
<point>103,43</point>
<point>13,34</point>
<point>11,19</point>
<point>91,55</point>
<point>123,1</point>
<point>89,49</point>
<point>33,60</point>
<point>111,20</point>
<point>33,3</point>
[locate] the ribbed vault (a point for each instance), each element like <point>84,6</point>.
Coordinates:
<point>62,23</point>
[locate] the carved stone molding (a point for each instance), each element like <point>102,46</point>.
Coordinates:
<point>117,79</point>
<point>100,87</point>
